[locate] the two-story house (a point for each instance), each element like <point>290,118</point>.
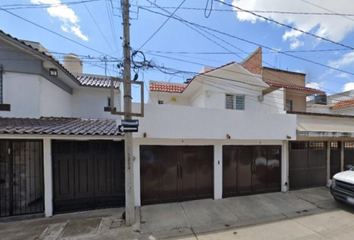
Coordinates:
<point>60,150</point>
<point>324,142</point>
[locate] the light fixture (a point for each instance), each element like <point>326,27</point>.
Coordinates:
<point>53,72</point>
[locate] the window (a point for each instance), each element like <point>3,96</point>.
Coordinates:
<point>160,102</point>
<point>289,105</point>
<point>236,102</point>
<point>108,101</point>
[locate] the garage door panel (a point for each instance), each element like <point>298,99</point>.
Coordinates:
<point>84,172</point>
<point>102,171</point>
<point>168,174</point>
<point>63,176</point>
<point>274,168</point>
<point>87,175</point>
<point>205,171</point>
<point>259,169</point>
<point>244,171</point>
<point>149,170</point>
<point>318,158</point>
<point>179,171</point>
<point>301,157</point>
<point>317,177</point>
<point>229,170</point>
<point>298,178</point>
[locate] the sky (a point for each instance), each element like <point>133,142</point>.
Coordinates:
<point>97,24</point>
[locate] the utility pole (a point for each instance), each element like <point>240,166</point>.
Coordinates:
<point>129,172</point>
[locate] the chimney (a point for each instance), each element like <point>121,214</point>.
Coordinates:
<point>73,63</point>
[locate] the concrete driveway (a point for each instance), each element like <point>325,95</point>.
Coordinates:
<point>187,219</point>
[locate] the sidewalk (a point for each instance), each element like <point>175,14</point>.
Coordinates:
<point>187,219</point>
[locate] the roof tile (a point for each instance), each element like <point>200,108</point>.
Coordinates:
<point>343,104</point>
<point>59,126</point>
<point>294,87</point>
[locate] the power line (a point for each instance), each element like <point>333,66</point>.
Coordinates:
<point>39,6</point>
<point>253,43</point>
<point>287,26</point>
<point>44,28</point>
<point>219,44</point>
<point>88,10</point>
<point>327,10</point>
<point>163,24</point>
<point>256,11</point>
<point>228,53</point>
<point>112,26</point>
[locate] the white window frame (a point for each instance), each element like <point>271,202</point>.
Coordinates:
<point>234,101</point>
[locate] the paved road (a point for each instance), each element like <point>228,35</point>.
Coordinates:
<point>336,224</point>
<point>304,214</point>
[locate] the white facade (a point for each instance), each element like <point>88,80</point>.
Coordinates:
<point>33,96</point>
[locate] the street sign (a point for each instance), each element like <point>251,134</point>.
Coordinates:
<point>130,122</point>
<point>124,129</point>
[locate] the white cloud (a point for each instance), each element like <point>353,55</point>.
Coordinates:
<point>332,27</point>
<point>348,86</point>
<point>65,14</point>
<point>343,75</point>
<point>346,60</point>
<point>313,85</point>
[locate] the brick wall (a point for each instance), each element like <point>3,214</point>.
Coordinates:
<point>253,62</point>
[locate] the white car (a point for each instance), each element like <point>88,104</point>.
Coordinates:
<point>342,187</point>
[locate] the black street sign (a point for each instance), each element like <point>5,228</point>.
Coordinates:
<point>130,122</point>
<point>124,129</point>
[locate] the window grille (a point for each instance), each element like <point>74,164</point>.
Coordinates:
<point>299,145</point>
<point>236,102</point>
<point>349,145</point>
<point>317,145</point>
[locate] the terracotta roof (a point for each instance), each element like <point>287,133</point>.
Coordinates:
<point>95,81</point>
<point>343,104</point>
<point>179,87</point>
<point>59,126</point>
<point>167,87</point>
<point>294,87</point>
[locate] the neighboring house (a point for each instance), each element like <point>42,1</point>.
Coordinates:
<point>294,83</point>
<point>340,103</point>
<point>59,149</point>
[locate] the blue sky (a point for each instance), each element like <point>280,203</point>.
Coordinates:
<point>75,22</point>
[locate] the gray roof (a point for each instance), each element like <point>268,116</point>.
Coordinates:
<point>96,81</point>
<point>59,126</point>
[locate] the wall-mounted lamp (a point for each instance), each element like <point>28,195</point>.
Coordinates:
<point>228,136</point>
<point>144,135</point>
<point>53,72</point>
<point>288,137</point>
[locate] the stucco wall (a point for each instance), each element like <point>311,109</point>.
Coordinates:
<point>299,101</point>
<point>182,122</point>
<point>22,92</point>
<point>168,98</point>
<point>90,102</point>
<point>273,75</point>
<point>55,102</point>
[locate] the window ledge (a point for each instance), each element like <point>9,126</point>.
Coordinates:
<point>5,107</point>
<point>108,109</point>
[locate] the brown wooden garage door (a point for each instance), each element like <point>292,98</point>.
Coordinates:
<point>307,164</point>
<point>251,169</point>
<point>176,173</point>
<point>88,175</point>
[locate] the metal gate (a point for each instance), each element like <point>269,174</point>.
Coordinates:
<point>307,164</point>
<point>88,175</point>
<point>348,154</point>
<point>251,170</point>
<point>21,177</point>
<point>176,173</point>
<point>335,162</point>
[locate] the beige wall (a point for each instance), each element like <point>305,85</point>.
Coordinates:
<point>299,101</point>
<point>276,76</point>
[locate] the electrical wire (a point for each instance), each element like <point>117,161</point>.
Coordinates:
<point>287,26</point>
<point>94,20</point>
<point>163,24</point>
<point>253,43</point>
